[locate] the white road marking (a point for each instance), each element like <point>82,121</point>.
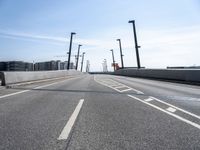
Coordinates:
<point>187,112</point>
<point>148,99</point>
<point>169,113</point>
<point>100,81</point>
<point>116,85</point>
<point>39,87</point>
<point>14,93</point>
<point>24,91</point>
<point>120,86</point>
<point>68,127</point>
<point>125,90</point>
<point>171,109</point>
<point>138,92</point>
<point>38,81</point>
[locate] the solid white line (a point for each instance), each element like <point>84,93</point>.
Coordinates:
<point>14,93</point>
<point>39,81</point>
<point>148,99</point>
<point>114,89</point>
<point>138,92</point>
<point>101,82</point>
<point>24,91</point>
<point>171,109</point>
<point>187,112</point>
<point>169,113</point>
<point>118,87</point>
<point>68,127</point>
<point>42,86</point>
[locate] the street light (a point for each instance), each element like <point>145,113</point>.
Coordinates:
<point>70,49</point>
<point>120,47</point>
<point>113,59</point>
<point>82,61</point>
<point>136,44</point>
<point>78,56</point>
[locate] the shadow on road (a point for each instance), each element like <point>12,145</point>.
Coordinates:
<point>79,91</point>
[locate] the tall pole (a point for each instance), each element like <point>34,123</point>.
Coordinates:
<point>105,67</point>
<point>120,47</point>
<point>70,49</point>
<point>88,66</point>
<point>113,59</point>
<point>82,61</point>
<point>136,44</point>
<point>78,56</point>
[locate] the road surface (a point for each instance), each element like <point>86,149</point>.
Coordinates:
<point>100,112</point>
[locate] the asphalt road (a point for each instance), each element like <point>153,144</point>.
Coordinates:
<point>100,112</point>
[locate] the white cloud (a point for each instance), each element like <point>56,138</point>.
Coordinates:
<point>30,36</point>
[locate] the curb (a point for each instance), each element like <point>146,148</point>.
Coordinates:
<point>37,81</point>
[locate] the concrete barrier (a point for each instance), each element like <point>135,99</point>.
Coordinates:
<point>188,75</point>
<point>2,79</point>
<point>18,77</point>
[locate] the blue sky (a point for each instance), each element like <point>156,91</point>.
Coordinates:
<point>168,31</point>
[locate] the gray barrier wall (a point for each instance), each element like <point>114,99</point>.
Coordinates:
<point>2,78</point>
<point>17,77</point>
<point>188,75</point>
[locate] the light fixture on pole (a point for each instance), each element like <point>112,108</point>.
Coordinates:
<point>78,56</point>
<point>120,47</point>
<point>136,44</point>
<point>70,49</point>
<point>113,58</point>
<point>82,61</point>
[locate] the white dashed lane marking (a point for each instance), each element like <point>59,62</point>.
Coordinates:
<point>155,103</point>
<point>68,127</point>
<point>170,111</point>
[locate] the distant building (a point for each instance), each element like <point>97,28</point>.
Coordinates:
<point>38,66</point>
<point>63,65</point>
<point>52,65</point>
<point>2,66</point>
<point>49,65</point>
<point>72,66</point>
<point>16,66</point>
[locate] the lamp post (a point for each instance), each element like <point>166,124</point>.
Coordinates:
<point>82,61</point>
<point>113,59</point>
<point>136,44</point>
<point>78,56</point>
<point>120,47</point>
<point>70,49</point>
